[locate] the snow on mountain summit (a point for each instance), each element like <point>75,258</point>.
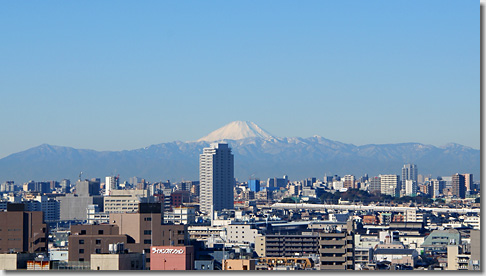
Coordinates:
<point>236,130</point>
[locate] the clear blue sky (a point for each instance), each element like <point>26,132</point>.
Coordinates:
<point>112,75</point>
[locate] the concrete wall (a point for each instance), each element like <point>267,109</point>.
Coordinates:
<point>130,261</point>
<point>8,261</point>
<point>105,262</point>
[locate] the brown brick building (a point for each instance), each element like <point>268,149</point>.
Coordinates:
<point>22,231</point>
<point>92,239</point>
<point>138,231</point>
<point>146,230</point>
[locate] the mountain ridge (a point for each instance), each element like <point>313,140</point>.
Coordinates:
<point>297,157</point>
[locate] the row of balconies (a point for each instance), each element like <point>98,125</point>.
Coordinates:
<point>306,249</point>
<point>338,242</point>
<point>333,251</point>
<point>333,259</point>
<point>333,267</point>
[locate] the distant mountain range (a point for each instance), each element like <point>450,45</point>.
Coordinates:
<point>258,154</point>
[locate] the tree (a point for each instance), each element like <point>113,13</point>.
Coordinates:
<point>287,200</point>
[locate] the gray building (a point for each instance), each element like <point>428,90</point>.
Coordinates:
<point>49,206</point>
<point>409,172</point>
<point>88,187</point>
<point>216,175</point>
<point>74,207</point>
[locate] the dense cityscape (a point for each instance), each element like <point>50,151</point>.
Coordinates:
<point>406,221</point>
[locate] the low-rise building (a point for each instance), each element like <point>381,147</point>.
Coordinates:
<point>172,258</point>
<point>86,240</point>
<point>124,261</point>
<point>241,233</point>
<point>239,264</point>
<point>396,256</point>
<point>181,215</point>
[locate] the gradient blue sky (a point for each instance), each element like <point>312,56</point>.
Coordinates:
<point>112,75</point>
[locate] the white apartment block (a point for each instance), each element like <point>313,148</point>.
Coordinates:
<point>411,187</point>
<point>241,233</point>
<point>390,184</point>
<point>184,215</point>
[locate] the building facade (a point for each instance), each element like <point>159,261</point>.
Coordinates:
<point>22,231</point>
<point>172,258</point>
<point>93,239</point>
<point>459,185</point>
<point>390,184</point>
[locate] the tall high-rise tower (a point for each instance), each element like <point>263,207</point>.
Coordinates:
<point>459,185</point>
<point>409,172</point>
<point>111,183</point>
<point>216,177</point>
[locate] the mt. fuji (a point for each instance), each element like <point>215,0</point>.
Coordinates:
<point>257,154</point>
<point>237,130</point>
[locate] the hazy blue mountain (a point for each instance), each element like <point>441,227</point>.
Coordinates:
<point>258,154</point>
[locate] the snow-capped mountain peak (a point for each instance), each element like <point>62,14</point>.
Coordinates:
<point>237,130</point>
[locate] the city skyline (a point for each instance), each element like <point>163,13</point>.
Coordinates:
<point>131,75</point>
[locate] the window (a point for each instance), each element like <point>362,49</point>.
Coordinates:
<point>81,259</point>
<point>98,251</point>
<point>147,232</point>
<point>147,219</point>
<point>98,241</point>
<point>83,232</point>
<point>146,250</point>
<point>81,241</point>
<point>147,241</point>
<point>180,241</point>
<point>100,232</point>
<point>81,251</point>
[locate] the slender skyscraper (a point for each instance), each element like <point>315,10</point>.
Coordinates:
<point>216,176</point>
<point>111,183</point>
<point>459,185</point>
<point>409,172</point>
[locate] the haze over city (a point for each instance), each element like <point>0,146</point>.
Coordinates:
<point>126,75</point>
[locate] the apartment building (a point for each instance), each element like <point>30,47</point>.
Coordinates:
<point>336,249</point>
<point>22,231</point>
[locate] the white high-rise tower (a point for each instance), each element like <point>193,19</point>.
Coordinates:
<point>216,176</point>
<point>111,183</point>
